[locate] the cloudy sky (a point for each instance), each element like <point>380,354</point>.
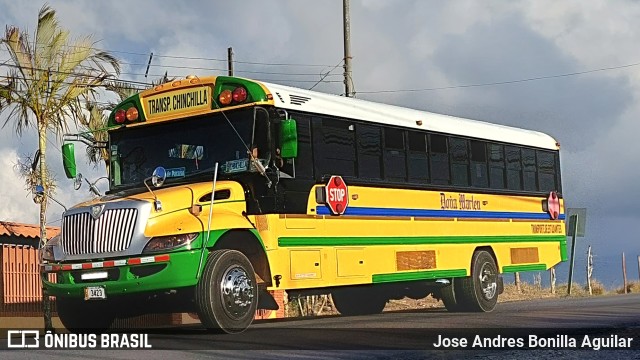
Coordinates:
<point>398,45</point>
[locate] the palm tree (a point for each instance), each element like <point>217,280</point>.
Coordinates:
<point>47,79</point>
<point>94,126</point>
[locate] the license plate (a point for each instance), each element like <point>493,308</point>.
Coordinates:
<point>95,293</point>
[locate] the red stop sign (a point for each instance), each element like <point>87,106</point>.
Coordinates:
<point>337,195</point>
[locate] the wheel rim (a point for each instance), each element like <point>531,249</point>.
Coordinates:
<point>236,291</point>
<point>488,281</point>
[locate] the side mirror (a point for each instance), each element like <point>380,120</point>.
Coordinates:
<point>158,177</point>
<point>288,139</point>
<point>69,160</point>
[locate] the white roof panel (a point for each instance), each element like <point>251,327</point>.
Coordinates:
<point>291,98</point>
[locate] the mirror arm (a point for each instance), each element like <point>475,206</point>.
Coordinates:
<point>85,140</point>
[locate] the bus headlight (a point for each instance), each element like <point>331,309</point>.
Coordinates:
<point>162,243</point>
<point>46,252</point>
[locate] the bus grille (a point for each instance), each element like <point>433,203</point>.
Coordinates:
<point>111,232</point>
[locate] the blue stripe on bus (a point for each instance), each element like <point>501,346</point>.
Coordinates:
<point>370,211</point>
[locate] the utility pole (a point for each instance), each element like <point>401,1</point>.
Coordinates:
<point>348,80</point>
<point>230,60</point>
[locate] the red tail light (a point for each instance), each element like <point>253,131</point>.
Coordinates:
<point>121,115</point>
<point>239,94</point>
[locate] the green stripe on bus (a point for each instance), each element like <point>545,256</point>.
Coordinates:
<point>563,250</point>
<point>519,268</point>
<point>417,240</point>
<point>418,275</point>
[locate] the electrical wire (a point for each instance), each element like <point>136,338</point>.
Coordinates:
<point>504,82</point>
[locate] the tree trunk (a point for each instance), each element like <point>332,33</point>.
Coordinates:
<point>46,300</point>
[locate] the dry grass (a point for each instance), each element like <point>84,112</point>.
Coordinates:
<point>527,292</point>
<point>632,287</point>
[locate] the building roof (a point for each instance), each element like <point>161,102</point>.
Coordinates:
<point>26,230</point>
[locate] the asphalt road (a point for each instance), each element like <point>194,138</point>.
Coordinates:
<point>408,335</point>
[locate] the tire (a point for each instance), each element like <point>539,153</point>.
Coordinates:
<point>448,297</point>
<point>479,292</point>
<point>80,316</point>
<point>227,293</point>
<point>358,300</point>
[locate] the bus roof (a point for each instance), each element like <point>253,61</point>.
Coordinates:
<point>291,98</point>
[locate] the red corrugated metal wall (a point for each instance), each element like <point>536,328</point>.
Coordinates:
<point>20,285</point>
<point>21,291</point>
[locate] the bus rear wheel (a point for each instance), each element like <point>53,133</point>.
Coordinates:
<point>449,298</point>
<point>227,293</point>
<point>358,300</point>
<point>478,292</point>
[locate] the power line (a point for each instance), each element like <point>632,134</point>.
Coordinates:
<point>504,82</point>
<point>197,58</point>
<point>75,74</point>
<point>325,75</point>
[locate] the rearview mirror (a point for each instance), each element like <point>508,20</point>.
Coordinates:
<point>158,177</point>
<point>69,160</point>
<point>288,139</point>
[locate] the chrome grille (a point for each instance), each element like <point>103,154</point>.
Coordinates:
<point>111,232</point>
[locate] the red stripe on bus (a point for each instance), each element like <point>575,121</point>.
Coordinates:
<point>160,258</point>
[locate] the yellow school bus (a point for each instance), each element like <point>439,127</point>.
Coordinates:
<point>223,188</point>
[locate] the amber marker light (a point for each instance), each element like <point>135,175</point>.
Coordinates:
<point>225,97</point>
<point>132,114</point>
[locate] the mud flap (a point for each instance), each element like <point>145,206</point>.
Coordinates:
<point>266,301</point>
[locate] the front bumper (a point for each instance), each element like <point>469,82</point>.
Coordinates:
<point>127,276</point>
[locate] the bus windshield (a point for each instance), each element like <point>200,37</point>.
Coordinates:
<point>185,148</point>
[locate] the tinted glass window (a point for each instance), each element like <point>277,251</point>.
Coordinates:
<point>546,171</point>
<point>459,162</point>
<point>417,141</point>
<point>304,160</point>
<point>496,166</point>
<point>529,169</point>
<point>514,168</point>
<point>439,158</point>
<point>395,165</point>
<point>334,147</point>
<point>418,161</point>
<point>369,152</point>
<point>393,138</point>
<point>479,176</point>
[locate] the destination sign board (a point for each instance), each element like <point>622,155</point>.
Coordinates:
<point>176,102</point>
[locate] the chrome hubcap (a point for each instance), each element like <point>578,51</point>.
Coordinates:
<point>236,291</point>
<point>488,281</point>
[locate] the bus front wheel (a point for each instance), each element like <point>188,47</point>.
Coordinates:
<point>478,292</point>
<point>227,293</point>
<point>358,300</point>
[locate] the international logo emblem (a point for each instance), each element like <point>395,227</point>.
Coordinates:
<point>96,211</point>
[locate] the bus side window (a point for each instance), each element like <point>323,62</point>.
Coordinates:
<point>496,166</point>
<point>418,161</point>
<point>439,159</point>
<point>459,161</point>
<point>514,168</point>
<point>479,176</point>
